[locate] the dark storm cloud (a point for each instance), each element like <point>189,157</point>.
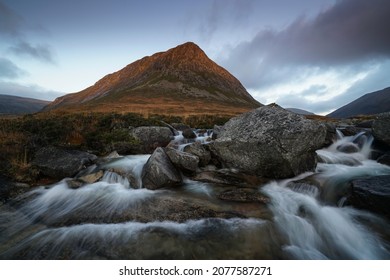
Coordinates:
<point>40,52</point>
<point>9,70</point>
<point>349,31</point>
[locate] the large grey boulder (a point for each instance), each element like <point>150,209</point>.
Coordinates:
<point>159,172</point>
<point>186,162</point>
<point>151,137</point>
<point>60,163</point>
<point>270,142</point>
<point>381,128</point>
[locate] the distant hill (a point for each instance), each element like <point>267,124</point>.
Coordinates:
<point>299,111</point>
<point>15,105</point>
<point>181,80</point>
<point>369,104</point>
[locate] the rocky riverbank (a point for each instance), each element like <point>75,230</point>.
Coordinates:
<point>222,175</point>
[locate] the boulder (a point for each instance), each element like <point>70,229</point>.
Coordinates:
<point>159,172</point>
<point>331,134</point>
<point>270,142</point>
<point>381,128</point>
<point>92,178</point>
<point>384,159</point>
<point>198,150</point>
<point>361,139</point>
<point>113,155</point>
<point>365,124</point>
<point>371,193</point>
<point>348,148</point>
<point>10,189</point>
<point>188,133</point>
<point>180,126</point>
<point>151,137</point>
<point>186,162</point>
<point>60,163</point>
<point>351,130</point>
<point>216,131</point>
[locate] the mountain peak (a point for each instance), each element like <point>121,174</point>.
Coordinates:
<point>181,77</point>
<point>189,49</point>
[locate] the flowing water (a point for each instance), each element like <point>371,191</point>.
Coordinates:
<point>115,218</point>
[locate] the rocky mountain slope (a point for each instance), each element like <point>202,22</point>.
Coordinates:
<point>182,80</point>
<point>10,104</point>
<point>369,104</point>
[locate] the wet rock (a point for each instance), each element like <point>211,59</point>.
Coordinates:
<point>10,189</point>
<point>92,178</point>
<point>113,155</point>
<point>351,130</point>
<point>180,126</point>
<point>229,177</point>
<point>348,148</point>
<point>361,140</point>
<point>305,186</point>
<point>60,163</point>
<point>159,172</point>
<point>216,131</point>
<point>244,195</point>
<point>188,133</point>
<point>125,148</point>
<point>173,130</point>
<point>371,193</point>
<point>74,184</point>
<point>202,132</point>
<point>134,181</point>
<point>198,150</point>
<point>384,159</point>
<point>381,128</point>
<point>186,162</point>
<point>365,124</point>
<point>151,137</point>
<point>270,142</point>
<point>331,134</point>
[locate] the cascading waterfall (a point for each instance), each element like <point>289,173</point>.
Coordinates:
<point>316,231</point>
<point>319,229</point>
<point>105,219</point>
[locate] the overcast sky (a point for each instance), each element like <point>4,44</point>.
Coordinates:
<point>316,55</point>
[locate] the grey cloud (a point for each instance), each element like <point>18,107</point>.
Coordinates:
<point>222,13</point>
<point>376,80</point>
<point>40,52</point>
<point>30,91</point>
<point>9,70</point>
<point>350,31</point>
<point>14,27</point>
<point>10,22</point>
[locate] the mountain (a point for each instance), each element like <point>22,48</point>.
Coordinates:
<point>299,111</point>
<point>13,105</point>
<point>181,80</point>
<point>369,104</point>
